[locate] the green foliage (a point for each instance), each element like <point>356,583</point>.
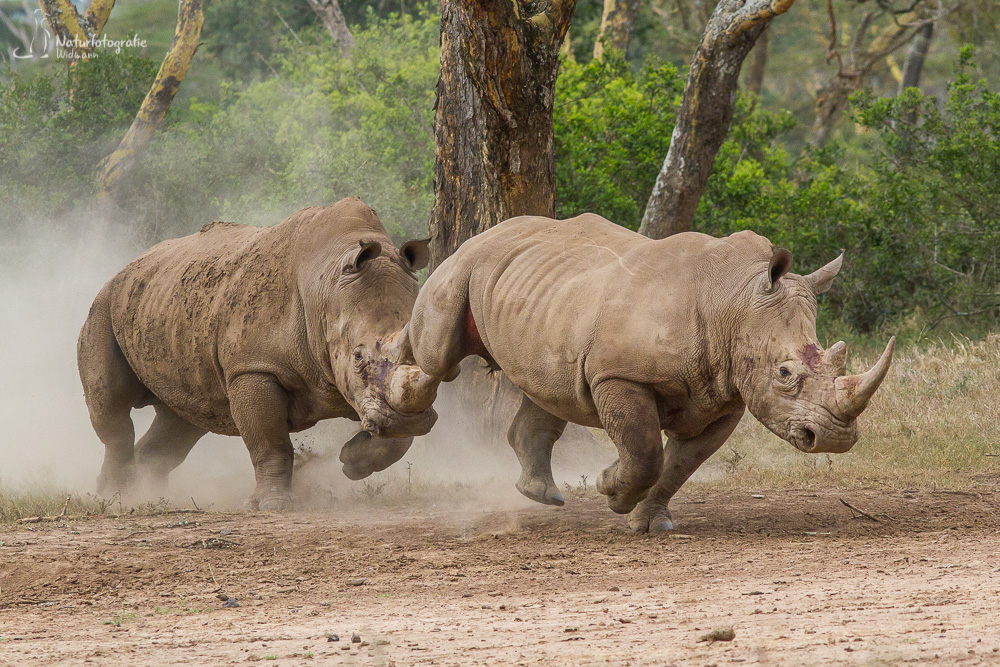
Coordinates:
<point>107,92</point>
<point>327,128</point>
<point>49,148</point>
<point>244,38</point>
<point>612,131</point>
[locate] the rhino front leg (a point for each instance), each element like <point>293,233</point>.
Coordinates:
<point>628,413</point>
<point>365,454</point>
<point>532,434</point>
<point>681,459</point>
<point>259,405</point>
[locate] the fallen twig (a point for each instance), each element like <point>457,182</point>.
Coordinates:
<point>861,512</point>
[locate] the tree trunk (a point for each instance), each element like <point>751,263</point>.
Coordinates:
<point>758,65</point>
<point>493,126</point>
<point>493,161</point>
<point>329,12</point>
<point>154,107</point>
<point>617,22</point>
<point>75,33</point>
<point>706,112</point>
<point>915,56</point>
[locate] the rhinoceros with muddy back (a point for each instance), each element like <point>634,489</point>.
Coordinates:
<point>258,332</point>
<point>603,327</point>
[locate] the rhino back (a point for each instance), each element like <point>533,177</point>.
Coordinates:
<point>561,305</point>
<point>190,306</point>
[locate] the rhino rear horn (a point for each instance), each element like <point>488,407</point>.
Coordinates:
<point>854,391</point>
<point>835,358</point>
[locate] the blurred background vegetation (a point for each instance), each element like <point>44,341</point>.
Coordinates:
<point>272,117</point>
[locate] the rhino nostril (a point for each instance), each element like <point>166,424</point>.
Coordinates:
<point>810,437</point>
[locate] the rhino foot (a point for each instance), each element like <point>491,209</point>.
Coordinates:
<point>540,490</point>
<point>272,502</point>
<point>619,501</point>
<point>650,518</point>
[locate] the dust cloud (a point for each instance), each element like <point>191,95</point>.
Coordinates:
<point>50,272</point>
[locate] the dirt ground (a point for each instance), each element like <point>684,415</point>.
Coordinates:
<point>799,576</point>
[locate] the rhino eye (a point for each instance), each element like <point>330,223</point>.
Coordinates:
<point>357,355</point>
<point>784,372</point>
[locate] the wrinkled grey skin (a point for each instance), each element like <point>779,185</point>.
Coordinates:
<point>600,326</point>
<point>258,332</point>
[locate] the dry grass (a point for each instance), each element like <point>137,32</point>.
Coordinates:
<point>935,422</point>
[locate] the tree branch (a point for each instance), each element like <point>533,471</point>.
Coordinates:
<point>329,12</point>
<point>747,20</point>
<point>154,107</point>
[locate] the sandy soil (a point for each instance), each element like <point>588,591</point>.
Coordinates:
<point>794,573</point>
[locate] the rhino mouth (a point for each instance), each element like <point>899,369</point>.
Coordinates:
<point>383,421</point>
<point>812,441</point>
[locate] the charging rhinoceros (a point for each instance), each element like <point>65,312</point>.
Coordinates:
<point>258,332</point>
<point>603,327</point>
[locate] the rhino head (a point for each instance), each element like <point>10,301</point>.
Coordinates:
<point>798,390</point>
<point>357,300</point>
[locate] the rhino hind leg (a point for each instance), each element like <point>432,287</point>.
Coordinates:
<point>629,415</point>
<point>259,405</point>
<point>164,447</point>
<point>681,459</point>
<point>532,434</point>
<point>111,389</point>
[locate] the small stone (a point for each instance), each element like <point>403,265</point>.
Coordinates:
<point>332,637</point>
<point>355,638</point>
<point>614,589</point>
<point>381,642</point>
<point>222,596</point>
<point>758,496</point>
<point>356,582</point>
<point>719,635</point>
<point>345,647</point>
<point>230,603</point>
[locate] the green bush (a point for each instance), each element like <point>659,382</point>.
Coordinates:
<point>612,131</point>
<point>327,128</point>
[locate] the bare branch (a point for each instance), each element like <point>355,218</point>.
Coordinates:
<point>333,19</point>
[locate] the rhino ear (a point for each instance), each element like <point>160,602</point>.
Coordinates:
<point>821,279</point>
<point>416,254</point>
<point>364,253</point>
<point>780,264</point>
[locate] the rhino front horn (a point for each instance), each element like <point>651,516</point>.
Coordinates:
<point>854,391</point>
<point>411,391</point>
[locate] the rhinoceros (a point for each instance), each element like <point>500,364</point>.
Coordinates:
<point>258,332</point>
<point>603,327</point>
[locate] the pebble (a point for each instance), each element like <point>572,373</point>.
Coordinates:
<point>356,582</point>
<point>355,638</point>
<point>719,635</point>
<point>332,637</point>
<point>230,603</point>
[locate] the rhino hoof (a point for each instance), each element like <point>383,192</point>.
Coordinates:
<point>354,473</point>
<point>541,491</point>
<point>643,520</point>
<point>273,503</point>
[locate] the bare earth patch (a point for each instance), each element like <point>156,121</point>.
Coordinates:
<point>799,576</point>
